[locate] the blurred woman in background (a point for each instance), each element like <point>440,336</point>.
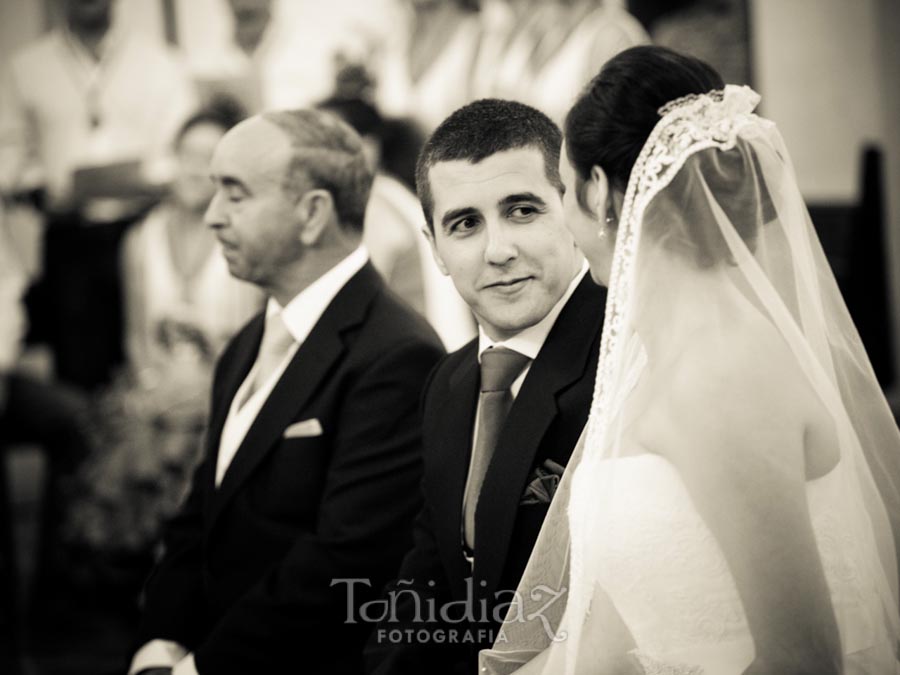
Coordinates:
<point>554,48</point>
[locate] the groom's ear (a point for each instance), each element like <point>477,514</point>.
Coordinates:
<point>429,235</point>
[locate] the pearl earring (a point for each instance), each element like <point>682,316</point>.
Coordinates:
<point>604,230</point>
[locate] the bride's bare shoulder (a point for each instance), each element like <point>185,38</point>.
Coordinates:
<point>737,393</point>
<point>746,361</point>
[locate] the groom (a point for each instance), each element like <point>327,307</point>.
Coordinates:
<point>503,414</point>
<point>314,444</point>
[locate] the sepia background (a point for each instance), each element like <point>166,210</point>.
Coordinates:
<point>828,72</point>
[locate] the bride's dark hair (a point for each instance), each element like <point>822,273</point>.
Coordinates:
<point>617,110</point>
<point>611,121</point>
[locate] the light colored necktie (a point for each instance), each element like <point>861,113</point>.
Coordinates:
<point>276,341</point>
<point>499,369</point>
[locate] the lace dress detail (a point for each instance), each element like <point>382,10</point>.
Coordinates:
<point>668,577</point>
<point>653,667</point>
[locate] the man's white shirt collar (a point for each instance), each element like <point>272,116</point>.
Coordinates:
<point>302,313</point>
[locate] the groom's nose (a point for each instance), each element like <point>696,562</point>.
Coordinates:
<point>500,246</point>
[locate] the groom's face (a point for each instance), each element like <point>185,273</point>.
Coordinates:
<point>499,235</point>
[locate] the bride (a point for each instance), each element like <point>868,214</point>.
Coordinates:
<point>730,506</point>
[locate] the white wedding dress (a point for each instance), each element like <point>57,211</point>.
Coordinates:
<point>670,582</point>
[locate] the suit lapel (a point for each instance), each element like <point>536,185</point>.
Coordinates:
<point>452,441</point>
<point>301,379</point>
<point>234,372</point>
<point>561,362</point>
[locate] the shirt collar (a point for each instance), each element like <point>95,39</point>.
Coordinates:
<point>305,309</point>
<point>530,340</point>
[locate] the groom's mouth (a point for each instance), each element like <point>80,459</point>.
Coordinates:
<point>509,286</point>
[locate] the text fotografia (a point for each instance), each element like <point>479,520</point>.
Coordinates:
<point>421,609</point>
<point>450,636</point>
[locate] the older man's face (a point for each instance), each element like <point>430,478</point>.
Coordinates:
<point>251,212</point>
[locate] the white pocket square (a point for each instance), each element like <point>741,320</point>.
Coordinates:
<point>304,429</point>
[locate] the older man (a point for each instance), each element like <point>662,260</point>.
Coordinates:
<point>503,414</point>
<point>311,470</point>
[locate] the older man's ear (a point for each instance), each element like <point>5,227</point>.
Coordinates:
<point>315,212</point>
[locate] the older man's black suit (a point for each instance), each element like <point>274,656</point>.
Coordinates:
<point>246,581</point>
<point>544,423</point>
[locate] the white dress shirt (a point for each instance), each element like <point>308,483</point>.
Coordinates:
<point>528,342</point>
<point>300,316</point>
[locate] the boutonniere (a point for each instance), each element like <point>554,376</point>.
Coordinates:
<point>543,483</point>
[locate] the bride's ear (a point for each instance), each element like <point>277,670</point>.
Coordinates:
<point>616,199</point>
<point>605,200</point>
<point>596,191</point>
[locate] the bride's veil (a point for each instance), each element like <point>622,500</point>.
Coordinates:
<point>714,247</point>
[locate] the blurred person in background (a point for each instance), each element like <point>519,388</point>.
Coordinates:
<point>560,65</point>
<point>251,22</point>
<point>558,46</point>
<point>12,324</point>
<point>177,283</point>
<point>535,52</point>
<point>401,140</point>
<point>511,31</point>
<point>427,68</point>
<point>281,52</point>
<point>51,416</point>
<point>181,307</point>
<point>84,115</point>
<point>237,68</point>
<point>715,31</point>
<point>499,23</point>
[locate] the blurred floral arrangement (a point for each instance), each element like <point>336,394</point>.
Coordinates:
<point>147,436</point>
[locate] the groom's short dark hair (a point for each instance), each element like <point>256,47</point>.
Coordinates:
<point>481,129</point>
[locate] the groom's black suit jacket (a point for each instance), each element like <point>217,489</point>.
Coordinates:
<point>544,423</point>
<point>245,582</point>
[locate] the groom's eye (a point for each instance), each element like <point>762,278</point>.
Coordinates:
<point>464,225</point>
<point>523,212</point>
